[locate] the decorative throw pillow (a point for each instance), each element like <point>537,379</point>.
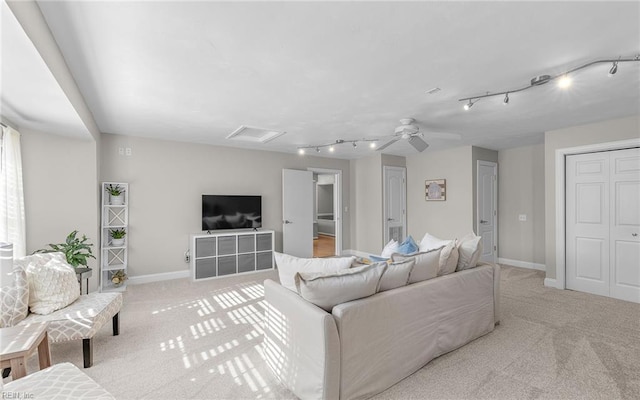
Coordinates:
<point>288,266</point>
<point>390,248</point>
<point>426,266</point>
<point>330,289</point>
<point>470,249</point>
<point>14,299</point>
<point>396,275</point>
<point>408,246</point>
<point>52,286</point>
<point>430,242</point>
<point>448,258</point>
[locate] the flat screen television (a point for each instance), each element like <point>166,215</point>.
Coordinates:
<point>231,212</point>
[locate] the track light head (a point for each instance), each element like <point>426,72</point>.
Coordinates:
<point>354,144</point>
<point>468,105</point>
<point>506,99</point>
<point>301,152</point>
<point>332,149</point>
<point>317,149</point>
<point>614,69</point>
<point>564,81</point>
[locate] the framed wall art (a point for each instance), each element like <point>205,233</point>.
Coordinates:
<point>435,189</point>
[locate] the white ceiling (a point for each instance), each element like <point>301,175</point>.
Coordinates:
<point>195,71</point>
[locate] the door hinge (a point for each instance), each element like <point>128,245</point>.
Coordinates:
<point>495,248</point>
<point>495,212</point>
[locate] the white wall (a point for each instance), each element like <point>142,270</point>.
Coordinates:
<point>168,178</point>
<point>366,204</point>
<point>601,132</point>
<point>60,190</point>
<point>521,191</point>
<point>452,218</point>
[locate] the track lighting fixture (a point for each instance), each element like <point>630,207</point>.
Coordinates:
<point>468,105</point>
<point>564,80</point>
<point>332,146</point>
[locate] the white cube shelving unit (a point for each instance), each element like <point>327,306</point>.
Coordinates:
<point>226,253</point>
<point>115,215</point>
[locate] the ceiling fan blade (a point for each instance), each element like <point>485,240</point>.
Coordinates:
<point>384,146</point>
<point>443,135</point>
<point>418,143</point>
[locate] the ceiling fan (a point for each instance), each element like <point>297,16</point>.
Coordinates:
<point>411,132</point>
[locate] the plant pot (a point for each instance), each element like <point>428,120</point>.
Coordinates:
<point>117,200</point>
<point>117,242</point>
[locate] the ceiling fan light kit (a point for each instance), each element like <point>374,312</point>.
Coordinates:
<point>564,80</point>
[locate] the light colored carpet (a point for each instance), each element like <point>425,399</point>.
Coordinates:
<point>184,340</point>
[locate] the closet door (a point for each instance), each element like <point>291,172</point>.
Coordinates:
<point>587,223</point>
<point>625,225</point>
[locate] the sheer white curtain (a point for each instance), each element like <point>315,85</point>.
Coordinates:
<point>12,225</point>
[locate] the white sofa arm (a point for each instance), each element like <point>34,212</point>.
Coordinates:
<point>301,344</point>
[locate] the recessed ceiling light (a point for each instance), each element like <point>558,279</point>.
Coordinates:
<point>301,151</point>
<point>372,145</point>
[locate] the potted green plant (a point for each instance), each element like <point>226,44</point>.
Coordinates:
<point>117,236</point>
<point>76,250</point>
<point>115,194</point>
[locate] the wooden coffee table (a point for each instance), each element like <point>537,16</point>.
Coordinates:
<point>18,343</point>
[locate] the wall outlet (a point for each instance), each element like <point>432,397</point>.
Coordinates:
<point>121,151</point>
<point>522,217</point>
<point>187,256</point>
<point>127,151</point>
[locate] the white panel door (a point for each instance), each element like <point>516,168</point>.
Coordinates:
<point>587,222</point>
<point>487,192</point>
<point>297,213</point>
<point>394,222</point>
<point>625,225</point>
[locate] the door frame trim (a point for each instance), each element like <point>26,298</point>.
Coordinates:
<point>337,202</point>
<point>494,165</point>
<point>405,228</point>
<point>560,156</point>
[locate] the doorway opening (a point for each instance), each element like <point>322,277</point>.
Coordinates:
<point>327,221</point>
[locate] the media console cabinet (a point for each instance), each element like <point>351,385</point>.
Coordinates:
<point>230,252</point>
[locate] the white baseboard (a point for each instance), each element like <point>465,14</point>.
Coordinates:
<point>522,264</point>
<point>550,282</point>
<point>165,276</point>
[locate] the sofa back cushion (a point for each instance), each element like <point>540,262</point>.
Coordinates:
<point>327,290</point>
<point>470,249</point>
<point>430,242</point>
<point>396,275</point>
<point>14,299</point>
<point>449,258</point>
<point>53,283</point>
<point>427,264</point>
<point>288,266</point>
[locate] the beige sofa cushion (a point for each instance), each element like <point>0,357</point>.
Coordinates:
<point>289,265</point>
<point>396,275</point>
<point>427,264</point>
<point>470,249</point>
<point>430,242</point>
<point>326,290</point>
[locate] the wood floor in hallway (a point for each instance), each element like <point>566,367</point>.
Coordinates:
<point>324,246</point>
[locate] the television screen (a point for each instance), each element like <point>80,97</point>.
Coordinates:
<point>231,212</point>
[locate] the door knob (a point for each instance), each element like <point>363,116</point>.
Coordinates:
<point>286,221</point>
<point>483,221</point>
<point>389,219</point>
<point>634,234</point>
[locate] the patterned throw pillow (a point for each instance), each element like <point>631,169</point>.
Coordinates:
<point>53,283</point>
<point>14,299</point>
